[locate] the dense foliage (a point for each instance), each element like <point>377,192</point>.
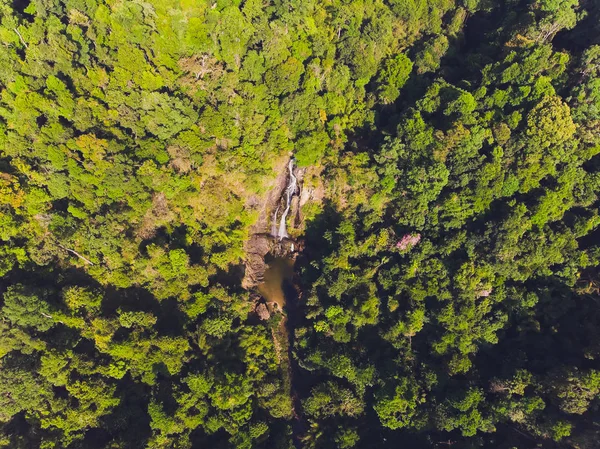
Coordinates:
<point>449,279</point>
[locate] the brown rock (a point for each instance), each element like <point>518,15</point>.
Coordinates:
<point>262,312</point>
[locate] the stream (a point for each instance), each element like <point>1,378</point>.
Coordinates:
<point>280,291</point>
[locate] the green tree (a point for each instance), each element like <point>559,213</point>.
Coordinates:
<point>392,77</point>
<point>28,308</point>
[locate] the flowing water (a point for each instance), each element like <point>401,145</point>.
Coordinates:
<point>289,192</point>
<point>281,295</point>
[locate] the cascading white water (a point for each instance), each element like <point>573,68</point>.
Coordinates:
<point>289,192</point>
<point>274,223</point>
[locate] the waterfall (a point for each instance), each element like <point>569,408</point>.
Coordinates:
<point>274,223</point>
<point>289,193</point>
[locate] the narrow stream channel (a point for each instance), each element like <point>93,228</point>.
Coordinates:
<point>279,291</point>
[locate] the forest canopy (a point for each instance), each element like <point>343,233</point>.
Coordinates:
<point>446,281</point>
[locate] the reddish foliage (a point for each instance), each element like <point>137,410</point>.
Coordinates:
<point>408,241</point>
